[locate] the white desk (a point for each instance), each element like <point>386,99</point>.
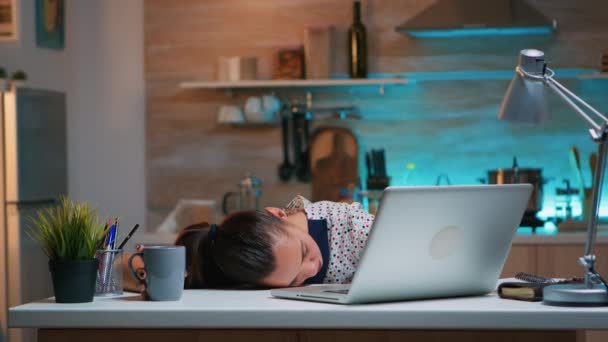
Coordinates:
<point>202,312</point>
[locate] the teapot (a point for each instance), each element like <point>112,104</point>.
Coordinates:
<point>247,196</point>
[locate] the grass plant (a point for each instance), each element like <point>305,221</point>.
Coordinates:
<point>69,231</point>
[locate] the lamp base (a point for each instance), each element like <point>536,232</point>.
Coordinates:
<point>575,295</point>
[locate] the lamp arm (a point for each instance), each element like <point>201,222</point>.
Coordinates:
<point>558,90</point>
<point>599,133</point>
<point>581,101</point>
<point>596,188</point>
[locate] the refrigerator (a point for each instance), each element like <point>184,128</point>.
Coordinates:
<point>33,175</point>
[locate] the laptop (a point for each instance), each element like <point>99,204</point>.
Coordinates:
<point>430,242</point>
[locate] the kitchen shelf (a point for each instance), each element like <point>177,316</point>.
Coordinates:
<point>292,83</point>
<point>387,79</point>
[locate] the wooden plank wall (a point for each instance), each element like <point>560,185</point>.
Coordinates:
<point>444,127</point>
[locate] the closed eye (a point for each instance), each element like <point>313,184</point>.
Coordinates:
<point>304,253</point>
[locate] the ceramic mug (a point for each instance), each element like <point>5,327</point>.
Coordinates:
<point>254,110</point>
<point>164,271</point>
<point>271,105</point>
<point>230,114</point>
<point>262,109</point>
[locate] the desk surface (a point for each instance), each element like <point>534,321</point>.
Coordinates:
<point>257,309</point>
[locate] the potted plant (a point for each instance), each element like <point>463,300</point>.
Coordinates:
<point>70,235</point>
<point>3,82</point>
<point>18,77</point>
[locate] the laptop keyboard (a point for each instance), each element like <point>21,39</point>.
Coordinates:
<point>343,291</point>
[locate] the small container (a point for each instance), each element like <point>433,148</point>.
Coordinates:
<point>289,63</point>
<point>109,273</point>
<point>318,47</point>
<point>237,68</point>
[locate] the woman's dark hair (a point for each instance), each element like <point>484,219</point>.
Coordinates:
<point>238,253</point>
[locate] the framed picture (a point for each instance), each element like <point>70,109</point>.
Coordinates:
<point>8,20</point>
<point>50,22</point>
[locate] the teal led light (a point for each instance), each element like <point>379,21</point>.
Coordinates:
<point>482,31</point>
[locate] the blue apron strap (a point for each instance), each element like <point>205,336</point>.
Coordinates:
<point>317,229</point>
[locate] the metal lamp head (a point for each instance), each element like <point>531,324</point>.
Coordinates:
<point>525,100</point>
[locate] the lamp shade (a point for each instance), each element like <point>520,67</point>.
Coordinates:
<point>525,100</point>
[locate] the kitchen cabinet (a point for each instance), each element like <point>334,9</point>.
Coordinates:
<point>520,259</point>
<point>556,260</point>
<point>561,260</point>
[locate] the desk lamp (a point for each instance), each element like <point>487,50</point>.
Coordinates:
<point>525,101</point>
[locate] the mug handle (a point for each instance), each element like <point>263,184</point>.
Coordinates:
<point>140,280</point>
<point>225,201</point>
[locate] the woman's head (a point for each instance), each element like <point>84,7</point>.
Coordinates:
<point>297,255</point>
<point>254,248</point>
<point>239,253</point>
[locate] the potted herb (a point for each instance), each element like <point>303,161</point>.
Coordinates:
<point>70,234</point>
<point>18,77</point>
<point>3,83</point>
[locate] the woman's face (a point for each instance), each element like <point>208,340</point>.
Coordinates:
<point>297,258</point>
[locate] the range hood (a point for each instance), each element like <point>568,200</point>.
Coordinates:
<point>458,18</point>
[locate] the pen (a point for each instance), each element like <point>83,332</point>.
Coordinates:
<point>108,260</point>
<point>122,244</point>
<point>111,237</point>
<point>115,233</point>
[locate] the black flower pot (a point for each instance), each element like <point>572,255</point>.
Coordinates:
<point>74,280</point>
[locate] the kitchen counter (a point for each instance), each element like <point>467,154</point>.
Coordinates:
<point>255,316</point>
<point>257,309</point>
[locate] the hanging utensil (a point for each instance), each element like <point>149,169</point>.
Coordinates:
<point>575,162</point>
<point>286,168</point>
<point>300,145</point>
<point>592,165</point>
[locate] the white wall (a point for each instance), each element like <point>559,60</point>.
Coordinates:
<point>101,69</point>
<point>106,106</point>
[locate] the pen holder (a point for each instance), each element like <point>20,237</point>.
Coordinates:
<point>109,273</point>
<point>378,183</point>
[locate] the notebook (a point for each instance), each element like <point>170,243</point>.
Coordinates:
<point>430,242</point>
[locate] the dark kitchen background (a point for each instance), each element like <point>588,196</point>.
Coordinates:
<point>443,122</point>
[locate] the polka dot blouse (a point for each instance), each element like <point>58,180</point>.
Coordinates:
<point>348,226</point>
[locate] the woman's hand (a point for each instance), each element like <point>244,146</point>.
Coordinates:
<point>130,283</point>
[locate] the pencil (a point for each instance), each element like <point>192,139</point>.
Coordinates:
<point>122,244</point>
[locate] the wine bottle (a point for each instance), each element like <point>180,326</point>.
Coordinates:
<point>357,45</point>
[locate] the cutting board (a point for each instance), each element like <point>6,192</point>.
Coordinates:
<point>333,153</point>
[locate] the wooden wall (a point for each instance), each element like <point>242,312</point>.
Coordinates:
<point>443,126</point>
